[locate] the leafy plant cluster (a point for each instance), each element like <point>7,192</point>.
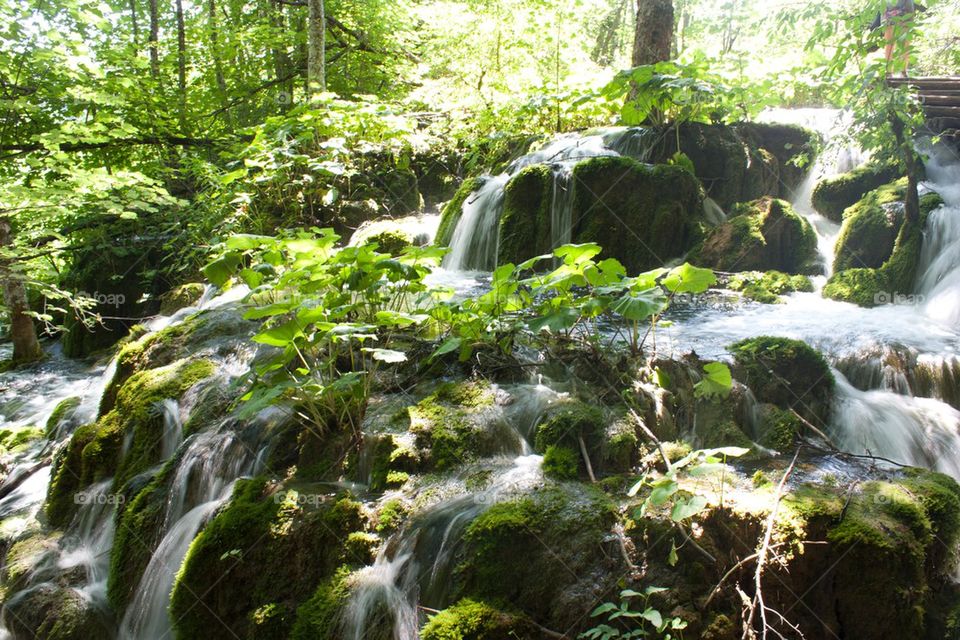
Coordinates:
<point>336,314</point>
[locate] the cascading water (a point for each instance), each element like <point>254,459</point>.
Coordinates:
<point>474,241</point>
<point>414,567</point>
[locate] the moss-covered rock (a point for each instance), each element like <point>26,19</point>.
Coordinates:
<point>762,235</point>
<point>730,161</point>
<point>53,612</point>
<point>458,423</point>
<point>610,443</point>
<point>452,211</point>
<point>833,195</point>
<point>179,297</point>
<point>472,620</point>
<point>542,552</point>
<point>94,451</point>
<point>318,616</point>
<point>778,428</point>
<point>17,438</point>
<point>561,463</point>
<point>642,215</point>
<point>259,560</point>
<point>770,286</point>
<point>787,373</point>
<point>62,415</point>
<point>878,252</point>
<point>525,229</point>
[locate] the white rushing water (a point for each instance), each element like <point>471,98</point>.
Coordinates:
<point>473,245</point>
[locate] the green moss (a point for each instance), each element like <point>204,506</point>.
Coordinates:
<point>139,526</point>
<point>391,515</point>
<point>780,429</point>
<point>642,215</point>
<point>62,413</point>
<point>449,425</point>
<point>768,287</point>
<point>530,550</point>
<point>878,252</point>
<point>787,373</point>
<point>317,617</point>
<point>766,234</point>
<point>16,438</point>
<point>265,549</point>
<point>93,453</point>
<point>180,297</point>
<point>565,425</point>
<point>453,210</point>
<point>833,195</point>
<point>472,620</point>
<point>863,287</point>
<point>525,227</point>
<point>561,463</point>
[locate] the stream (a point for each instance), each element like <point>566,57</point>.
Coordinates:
<point>876,411</point>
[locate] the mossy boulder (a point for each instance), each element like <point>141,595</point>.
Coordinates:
<point>525,223</point>
<point>611,443</point>
<point>473,620</point>
<point>54,612</point>
<point>179,297</point>
<point>778,428</point>
<point>542,552</point>
<point>453,210</point>
<point>872,269</point>
<point>17,438</point>
<point>642,215</point>
<point>62,416</point>
<point>871,226</point>
<point>763,235</point>
<point>787,373</point>
<point>833,195</point>
<point>458,423</point>
<point>318,616</point>
<point>251,568</point>
<point>770,286</point>
<point>94,451</point>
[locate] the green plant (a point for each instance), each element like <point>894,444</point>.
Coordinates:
<point>624,621</point>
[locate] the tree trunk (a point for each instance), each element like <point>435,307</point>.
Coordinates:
<point>911,202</point>
<point>154,41</point>
<point>282,63</point>
<point>26,347</point>
<point>181,66</point>
<point>215,56</point>
<point>135,25</point>
<point>654,34</point>
<point>316,42</point>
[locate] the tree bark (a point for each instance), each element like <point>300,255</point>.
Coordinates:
<point>135,25</point>
<point>654,33</point>
<point>911,202</point>
<point>181,65</point>
<point>23,333</point>
<point>215,56</point>
<point>154,40</point>
<point>316,43</point>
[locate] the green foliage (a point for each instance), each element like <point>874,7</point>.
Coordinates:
<point>768,287</point>
<point>624,621</point>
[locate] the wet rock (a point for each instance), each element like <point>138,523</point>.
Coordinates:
<point>762,235</point>
<point>832,196</point>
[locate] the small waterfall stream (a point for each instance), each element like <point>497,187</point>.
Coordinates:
<point>473,245</point>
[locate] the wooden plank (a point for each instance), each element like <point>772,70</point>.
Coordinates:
<point>942,112</point>
<point>940,100</point>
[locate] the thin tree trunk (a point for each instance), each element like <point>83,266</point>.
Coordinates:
<point>654,33</point>
<point>316,42</point>
<point>181,65</point>
<point>134,25</point>
<point>215,56</point>
<point>911,203</point>
<point>154,41</point>
<point>281,57</point>
<point>26,346</point>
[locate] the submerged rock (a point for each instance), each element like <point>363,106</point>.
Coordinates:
<point>762,235</point>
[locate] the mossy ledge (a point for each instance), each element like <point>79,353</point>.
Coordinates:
<point>93,453</point>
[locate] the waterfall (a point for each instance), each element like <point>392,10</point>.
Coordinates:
<point>939,268</point>
<point>415,566</point>
<point>918,431</point>
<point>474,241</point>
<point>203,481</point>
<point>172,428</point>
